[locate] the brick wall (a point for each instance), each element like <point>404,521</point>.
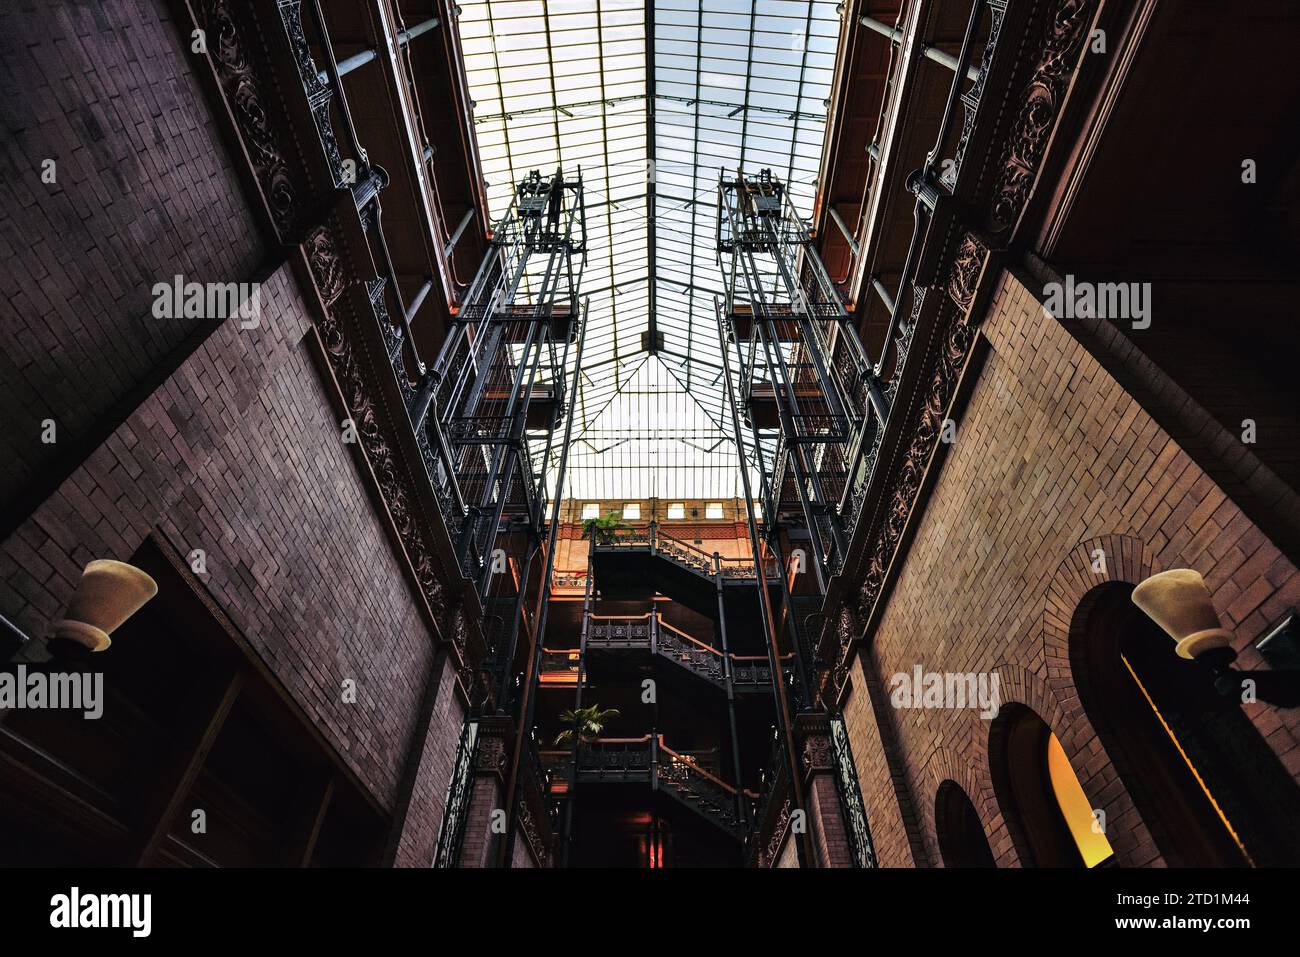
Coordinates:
<point>428,796</point>
<point>827,823</point>
<point>239,453</point>
<point>521,855</point>
<point>1053,459</point>
<point>789,856</point>
<point>143,191</point>
<point>481,844</point>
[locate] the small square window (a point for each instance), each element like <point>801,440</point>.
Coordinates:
<point>713,510</point>
<point>677,510</point>
<point>632,511</point>
<point>591,510</point>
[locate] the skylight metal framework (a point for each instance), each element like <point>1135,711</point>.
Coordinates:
<point>651,100</point>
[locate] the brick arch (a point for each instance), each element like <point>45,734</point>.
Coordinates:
<point>972,769</point>
<point>1017,685</point>
<point>1128,559</point>
<point>1066,604</point>
<point>945,764</point>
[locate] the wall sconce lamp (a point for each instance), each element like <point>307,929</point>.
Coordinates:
<point>1179,602</point>
<point>108,594</point>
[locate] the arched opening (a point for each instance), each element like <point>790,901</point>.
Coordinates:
<point>1039,793</point>
<point>962,842</point>
<point>1210,789</point>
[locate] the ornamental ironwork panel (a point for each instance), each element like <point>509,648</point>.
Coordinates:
<point>460,790</point>
<point>851,806</point>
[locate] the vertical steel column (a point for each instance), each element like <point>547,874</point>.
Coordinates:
<point>530,691</point>
<point>728,666</point>
<point>571,796</point>
<point>807,853</point>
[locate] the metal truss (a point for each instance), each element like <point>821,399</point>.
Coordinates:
<point>493,397</point>
<point>805,385</point>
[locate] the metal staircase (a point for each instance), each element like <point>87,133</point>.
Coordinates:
<point>677,774</point>
<point>650,633</point>
<point>654,541</point>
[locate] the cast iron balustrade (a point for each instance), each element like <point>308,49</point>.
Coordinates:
<point>755,671</point>
<point>537,818</point>
<point>351,168</point>
<point>614,632</point>
<point>650,633</point>
<point>681,775</point>
<point>692,654</point>
<point>771,810</point>
<point>930,188</point>
<point>652,539</point>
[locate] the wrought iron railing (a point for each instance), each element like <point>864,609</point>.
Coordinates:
<point>763,838</point>
<point>616,759</point>
<point>905,306</point>
<point>614,632</point>
<point>682,776</point>
<point>536,811</point>
<point>350,167</point>
<point>690,777</point>
<point>693,654</point>
<point>651,633</point>
<point>683,554</point>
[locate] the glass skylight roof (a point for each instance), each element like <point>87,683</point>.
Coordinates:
<point>730,83</point>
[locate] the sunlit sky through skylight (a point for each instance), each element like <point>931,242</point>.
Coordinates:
<point>733,83</point>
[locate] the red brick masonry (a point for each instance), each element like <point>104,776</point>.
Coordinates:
<point>1053,459</point>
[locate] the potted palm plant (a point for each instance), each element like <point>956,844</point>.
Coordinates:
<point>584,725</point>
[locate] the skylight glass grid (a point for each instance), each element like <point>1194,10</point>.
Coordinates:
<point>727,84</point>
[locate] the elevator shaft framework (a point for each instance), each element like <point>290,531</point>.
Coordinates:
<point>494,396</point>
<point>808,390</point>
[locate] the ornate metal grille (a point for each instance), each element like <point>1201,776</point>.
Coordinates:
<point>459,792</point>
<point>846,783</point>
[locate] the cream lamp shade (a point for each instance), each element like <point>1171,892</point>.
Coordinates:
<point>109,593</point>
<point>1179,602</point>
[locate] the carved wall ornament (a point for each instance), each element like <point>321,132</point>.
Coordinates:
<point>817,753</point>
<point>966,271</point>
<point>491,755</point>
<point>241,86</point>
<point>328,274</point>
<point>1040,106</point>
<point>326,269</point>
<point>954,336</point>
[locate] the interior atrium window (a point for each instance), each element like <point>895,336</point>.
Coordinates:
<point>1092,843</point>
<point>677,510</point>
<point>632,511</point>
<point>713,510</point>
<point>591,510</point>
